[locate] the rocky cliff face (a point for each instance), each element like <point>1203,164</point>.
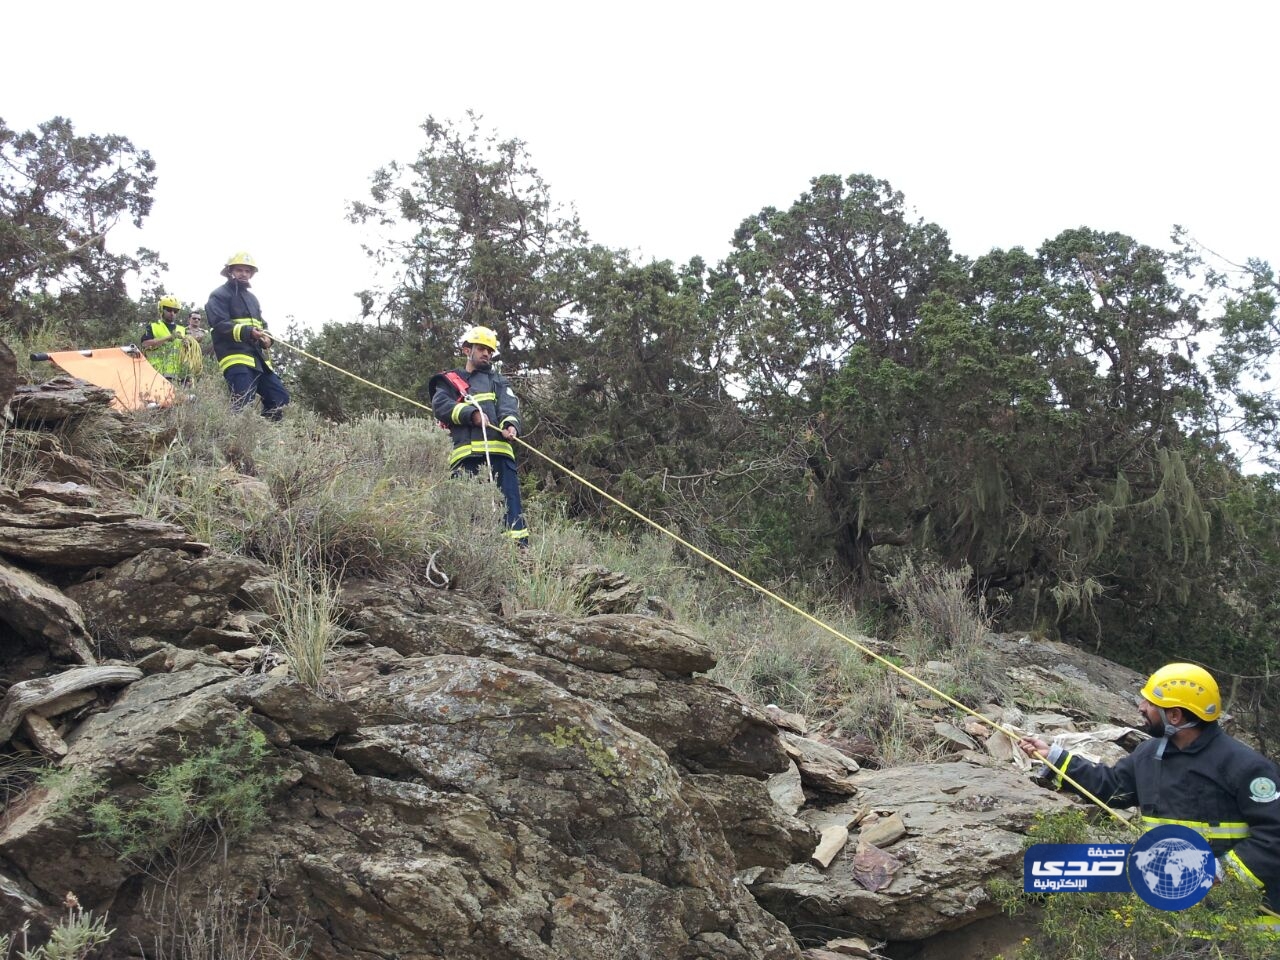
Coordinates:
<point>476,785</point>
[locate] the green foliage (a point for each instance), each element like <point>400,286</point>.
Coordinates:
<point>1036,418</point>
<point>72,788</point>
<point>210,797</point>
<point>60,196</point>
<point>638,407</point>
<point>388,356</point>
<point>1103,926</point>
<point>304,625</point>
<point>474,238</point>
<point>75,937</point>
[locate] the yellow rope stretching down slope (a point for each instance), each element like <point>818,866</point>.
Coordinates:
<point>742,577</point>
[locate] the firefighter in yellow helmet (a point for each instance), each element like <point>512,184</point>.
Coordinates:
<point>170,345</point>
<point>241,341</point>
<point>482,415</point>
<point>1191,773</point>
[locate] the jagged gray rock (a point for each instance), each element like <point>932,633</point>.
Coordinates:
<point>38,611</point>
<point>56,401</point>
<point>636,666</point>
<point>966,825</point>
<point>1044,665</point>
<point>71,494</point>
<point>164,594</point>
<point>58,535</point>
<point>822,767</point>
<point>602,590</point>
<point>475,811</point>
<point>48,696</point>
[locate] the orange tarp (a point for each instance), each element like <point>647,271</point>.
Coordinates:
<point>135,381</point>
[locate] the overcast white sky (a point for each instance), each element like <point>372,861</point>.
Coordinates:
<point>665,123</point>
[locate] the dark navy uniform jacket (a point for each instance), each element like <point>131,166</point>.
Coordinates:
<point>492,394</point>
<point>1216,785</point>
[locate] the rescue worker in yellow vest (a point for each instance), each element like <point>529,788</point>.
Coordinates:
<point>241,341</point>
<point>482,415</point>
<point>171,347</point>
<point>1191,773</point>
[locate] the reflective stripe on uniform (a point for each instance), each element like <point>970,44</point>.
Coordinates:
<point>479,448</point>
<point>1060,770</point>
<point>232,359</point>
<point>237,334</point>
<point>237,331</point>
<point>1228,830</point>
<point>1240,870</point>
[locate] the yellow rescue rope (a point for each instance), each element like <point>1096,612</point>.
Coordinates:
<point>742,577</point>
<point>190,356</point>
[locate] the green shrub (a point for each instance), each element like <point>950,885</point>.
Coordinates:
<point>209,798</point>
<point>75,937</point>
<point>304,626</point>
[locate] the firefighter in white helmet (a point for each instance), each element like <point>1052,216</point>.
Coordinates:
<point>241,341</point>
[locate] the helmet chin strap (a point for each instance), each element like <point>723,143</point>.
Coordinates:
<point>1170,731</point>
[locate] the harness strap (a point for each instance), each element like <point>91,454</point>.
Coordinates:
<point>463,388</point>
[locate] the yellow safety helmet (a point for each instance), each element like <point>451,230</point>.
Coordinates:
<point>240,258</point>
<point>168,303</point>
<point>1185,685</point>
<point>483,336</point>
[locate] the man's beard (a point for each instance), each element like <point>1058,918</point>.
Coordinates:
<point>1155,727</point>
<point>482,365</point>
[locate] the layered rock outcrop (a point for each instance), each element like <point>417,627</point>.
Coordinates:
<point>473,785</point>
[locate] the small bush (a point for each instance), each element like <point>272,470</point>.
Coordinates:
<point>20,464</point>
<point>208,799</point>
<point>770,655</point>
<point>942,617</point>
<point>305,625</point>
<point>75,937</point>
<point>18,773</point>
<point>216,927</point>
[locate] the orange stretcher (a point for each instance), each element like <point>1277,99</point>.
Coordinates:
<point>125,370</point>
